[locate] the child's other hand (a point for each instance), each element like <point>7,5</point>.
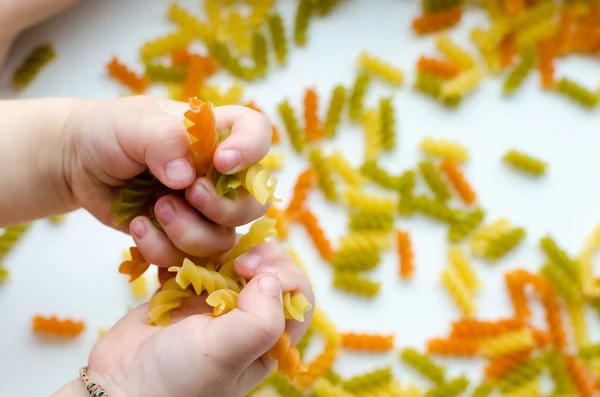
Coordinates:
<point>198,356</point>
<point>110,141</point>
<point>17,15</point>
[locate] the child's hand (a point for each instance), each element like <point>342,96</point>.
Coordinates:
<point>197,355</point>
<point>111,141</point>
<point>17,15</point>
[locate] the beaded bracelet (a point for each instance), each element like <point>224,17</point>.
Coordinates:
<point>92,387</point>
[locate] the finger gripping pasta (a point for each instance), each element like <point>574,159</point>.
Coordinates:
<point>33,65</point>
<point>201,278</point>
<point>222,301</point>
<point>164,301</point>
<point>258,181</point>
<point>287,357</point>
<point>368,342</point>
<point>134,267</point>
<point>55,326</point>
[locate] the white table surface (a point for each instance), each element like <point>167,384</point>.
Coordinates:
<point>62,269</point>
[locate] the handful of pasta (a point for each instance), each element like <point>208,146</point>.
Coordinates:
<point>141,193</point>
<point>221,285</point>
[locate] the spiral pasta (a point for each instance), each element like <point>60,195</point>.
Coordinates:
<point>55,326</point>
<point>126,76</point>
<point>579,323</point>
<point>381,177</point>
<point>222,301</point>
<point>259,232</point>
<point>292,126</point>
<point>484,235</point>
<point>135,266</point>
<point>3,275</point>
<point>368,342</point>
<point>435,209</point>
<point>10,237</point>
<point>503,364</point>
<point>507,343</point>
<point>437,21</point>
<point>463,84</point>
<point>465,347</point>
<point>557,367</point>
<point>258,181</point>
<point>316,233</point>
<point>504,243</point>
<point>525,163</point>
<point>302,188</point>
<point>405,254</point>
<point>311,118</point>
<point>446,149</point>
<point>342,166</point>
<point>325,327</point>
<point>325,180</point>
<point>431,86</point>
<point>546,54</point>
<point>382,69</point>
<point>287,357</point>
<point>564,286</point>
<point>156,72</point>
<point>139,193</point>
<point>222,54</point>
<point>454,387</point>
<point>372,128</point>
<point>455,285</point>
<point>282,385</point>
<point>434,180</point>
<point>388,133</point>
<point>466,225</point>
<point>522,374</point>
<point>272,161</point>
<point>335,111</point>
<point>260,53</point>
<point>424,365</point>
<point>369,202</point>
<point>459,262</point>
<point>520,72</point>
<point>40,57</point>
<point>577,93</point>
<point>368,380</point>
<point>164,301</point>
<point>456,178</point>
<point>186,22</point>
<point>303,16</point>
<point>295,306</point>
<point>236,28</point>
<point>278,39</point>
<point>364,220</point>
<point>357,96</point>
<point>324,388</point>
<point>201,126</point>
<point>440,68</point>
<point>167,44</point>
<point>355,260</point>
<point>353,283</point>
<point>559,257</point>
<point>281,221</point>
<point>454,53</point>
<point>318,367</point>
<point>201,278</point>
<point>365,240</point>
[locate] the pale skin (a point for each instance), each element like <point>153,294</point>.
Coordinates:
<point>67,153</point>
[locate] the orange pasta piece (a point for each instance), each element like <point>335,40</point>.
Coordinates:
<point>463,347</point>
<point>580,377</point>
<point>436,67</point>
<point>471,328</point>
<point>508,50</point>
<point>319,367</point>
<point>458,181</point>
<point>282,222</point>
<point>546,54</point>
<point>205,132</point>
<point>405,254</point>
<point>542,338</point>
<point>275,132</point>
<point>503,364</point>
<point>305,182</point>
<point>181,56</point>
<point>566,32</point>
<point>316,233</point>
<point>516,290</point>
<point>311,119</point>
<point>514,7</point>
<point>368,342</point>
<point>134,267</point>
<point>554,320</point>
<point>126,76</point>
<point>199,68</point>
<point>55,326</point>
<point>437,21</point>
<point>287,357</point>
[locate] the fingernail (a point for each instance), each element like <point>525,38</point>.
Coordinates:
<point>269,285</point>
<point>165,212</point>
<point>138,229</point>
<point>230,159</point>
<point>198,195</point>
<point>250,260</point>
<point>179,171</point>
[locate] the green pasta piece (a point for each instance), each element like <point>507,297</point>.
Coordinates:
<point>590,351</point>
<point>423,364</point>
<point>305,341</point>
<point>324,7</point>
<point>561,282</point>
<point>459,230</point>
<point>303,15</point>
<point>365,220</point>
<point>577,93</point>
<point>559,257</point>
<point>408,180</point>
<point>388,123</point>
<point>10,237</point>
<point>226,185</point>
<point>222,54</point>
<point>520,72</point>
<point>435,209</point>
<point>353,283</point>
<point>524,162</point>
<point>451,389</point>
<point>483,390</point>
<point>334,113</point>
<point>140,192</point>
<point>292,126</point>
<point>325,179</point>
<point>433,6</point>
<point>3,275</point>
<point>557,368</point>
<point>162,74</point>
<point>369,380</point>
<point>260,54</point>
<point>357,96</point>
<point>333,377</point>
<point>372,171</point>
<point>434,180</point>
<point>32,65</point>
<point>432,86</point>
<point>355,260</point>
<point>522,374</point>
<point>504,243</point>
<point>282,385</point>
<point>278,39</point>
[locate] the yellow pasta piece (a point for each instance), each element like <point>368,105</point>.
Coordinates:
<point>372,129</point>
<point>167,299</point>
<point>459,292</point>
<point>326,327</point>
<point>579,323</point>
<point>385,71</point>
<point>412,390</point>
<point>462,84</point>
<point>365,240</point>
<point>455,53</point>
<point>222,301</point>
<point>295,306</point>
<point>445,149</point>
<point>462,266</point>
<point>544,10</point>
<point>102,332</point>
<point>529,37</point>
<point>139,288</point>
<point>591,245</point>
<point>342,166</point>
<point>531,388</point>
<point>272,161</point>
<point>369,202</point>
<point>481,238</point>
<point>589,287</point>
<point>506,343</point>
<point>201,278</point>
<point>324,388</point>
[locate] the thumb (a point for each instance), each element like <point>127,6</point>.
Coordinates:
<point>247,333</point>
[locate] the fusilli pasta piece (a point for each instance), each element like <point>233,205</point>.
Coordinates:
<point>454,387</point>
<point>520,72</point>
<point>134,267</point>
<point>369,202</point>
<point>295,306</point>
<point>459,262</point>
<point>372,129</point>
<point>126,76</point>
<point>292,126</point>
<point>278,39</point>
<point>368,380</point>
<point>355,260</point>
<point>504,243</point>
<point>435,67</point>
<point>357,96</point>
<point>302,188</point>
<point>316,233</point>
<point>166,44</point>
<point>201,125</point>
<point>353,283</point>
<point>368,342</point>
<point>435,209</point>
<point>318,367</point>
<point>507,343</point>
<point>434,180</point>
<point>40,57</point>
<point>455,53</point>
<point>453,347</point>
<point>382,69</point>
<point>388,123</point>
<point>381,177</point>
<point>431,86</point>
<point>260,53</point>
<point>365,220</point>
<point>459,291</point>
<point>437,21</point>
<point>324,388</point>
<point>577,93</point>
<point>366,240</point>
<point>164,301</point>
<point>525,163</point>
<point>335,110</point>
<point>201,278</point>
<point>55,326</point>
<point>424,365</point>
<point>258,181</point>
<point>311,118</point>
<point>325,179</point>
<point>405,254</point>
<point>445,149</point>
<point>484,235</point>
<point>342,166</point>
<point>272,161</point>
<point>463,84</point>
<point>156,72</point>
<point>455,176</point>
<point>466,225</point>
<point>303,16</point>
<point>222,301</point>
<point>287,357</point>
<point>10,237</point>
<point>326,327</point>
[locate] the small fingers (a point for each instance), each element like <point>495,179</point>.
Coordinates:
<point>222,210</point>
<point>154,245</point>
<point>249,140</point>
<point>189,232</point>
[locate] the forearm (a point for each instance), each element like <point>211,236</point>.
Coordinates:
<point>33,155</point>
